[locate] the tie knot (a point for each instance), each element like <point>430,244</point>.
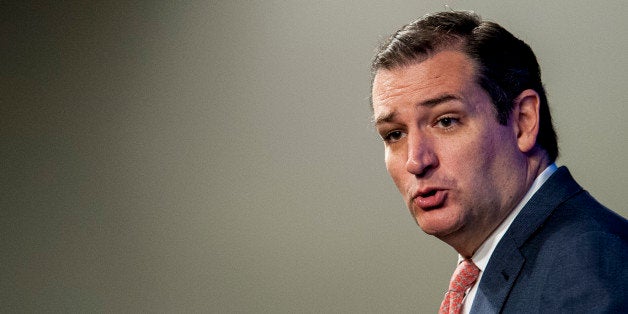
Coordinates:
<point>464,277</point>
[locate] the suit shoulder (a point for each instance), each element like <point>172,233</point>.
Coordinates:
<point>583,214</point>
<point>577,261</point>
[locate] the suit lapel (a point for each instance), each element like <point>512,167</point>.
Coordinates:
<point>497,281</point>
<point>507,261</point>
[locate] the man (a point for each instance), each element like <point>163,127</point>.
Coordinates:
<point>470,145</point>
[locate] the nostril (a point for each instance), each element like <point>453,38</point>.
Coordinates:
<point>422,172</point>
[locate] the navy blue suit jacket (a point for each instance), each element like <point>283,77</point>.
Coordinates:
<point>564,253</point>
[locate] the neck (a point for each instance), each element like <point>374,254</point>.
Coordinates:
<point>467,244</point>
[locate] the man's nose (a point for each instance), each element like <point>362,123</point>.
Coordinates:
<point>421,156</point>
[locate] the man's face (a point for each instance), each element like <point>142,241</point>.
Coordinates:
<point>459,171</point>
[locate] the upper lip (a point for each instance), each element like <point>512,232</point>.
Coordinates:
<point>425,191</point>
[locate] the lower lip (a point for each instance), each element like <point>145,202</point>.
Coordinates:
<point>432,201</point>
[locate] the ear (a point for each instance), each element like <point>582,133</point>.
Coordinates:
<point>526,119</point>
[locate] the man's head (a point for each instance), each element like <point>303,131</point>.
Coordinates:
<point>461,123</point>
<point>506,65</point>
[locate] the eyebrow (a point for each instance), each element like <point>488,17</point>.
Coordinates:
<point>385,118</point>
<point>438,100</point>
<point>430,103</point>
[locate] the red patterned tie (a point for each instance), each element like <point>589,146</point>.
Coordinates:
<point>463,278</point>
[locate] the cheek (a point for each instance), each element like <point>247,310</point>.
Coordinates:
<point>462,156</point>
<point>468,161</point>
<point>392,159</point>
<point>478,166</point>
<point>395,165</point>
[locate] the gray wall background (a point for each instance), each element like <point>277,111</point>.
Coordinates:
<point>218,156</point>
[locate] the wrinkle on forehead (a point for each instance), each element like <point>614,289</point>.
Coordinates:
<point>446,76</point>
<point>398,81</point>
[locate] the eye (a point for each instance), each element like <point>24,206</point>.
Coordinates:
<point>393,136</point>
<point>446,122</point>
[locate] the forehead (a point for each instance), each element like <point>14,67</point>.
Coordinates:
<point>448,72</point>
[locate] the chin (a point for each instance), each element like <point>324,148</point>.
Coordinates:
<point>439,230</point>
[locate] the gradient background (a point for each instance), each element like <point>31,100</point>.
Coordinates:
<point>218,156</point>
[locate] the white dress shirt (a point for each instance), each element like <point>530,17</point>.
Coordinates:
<point>484,252</point>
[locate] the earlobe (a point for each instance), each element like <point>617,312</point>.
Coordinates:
<point>526,119</point>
